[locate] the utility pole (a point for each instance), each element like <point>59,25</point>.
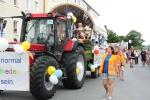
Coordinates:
<point>106,29</point>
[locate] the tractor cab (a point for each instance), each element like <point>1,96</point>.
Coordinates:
<point>45,29</point>
<point>46,32</point>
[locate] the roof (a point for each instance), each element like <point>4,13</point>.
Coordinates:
<point>92,8</point>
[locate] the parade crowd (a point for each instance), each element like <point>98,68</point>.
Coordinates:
<point>113,63</point>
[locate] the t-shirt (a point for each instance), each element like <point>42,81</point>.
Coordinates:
<point>106,63</point>
<point>143,54</point>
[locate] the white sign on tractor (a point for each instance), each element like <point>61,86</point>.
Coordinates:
<point>14,71</point>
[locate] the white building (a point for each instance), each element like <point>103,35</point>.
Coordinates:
<point>14,8</point>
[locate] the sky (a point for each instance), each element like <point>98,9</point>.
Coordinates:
<point>122,16</point>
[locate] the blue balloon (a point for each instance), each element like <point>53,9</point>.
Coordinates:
<point>58,73</point>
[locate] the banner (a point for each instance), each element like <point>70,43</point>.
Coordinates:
<point>98,59</point>
<point>120,45</point>
<point>14,71</point>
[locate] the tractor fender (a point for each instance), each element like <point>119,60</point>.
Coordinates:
<point>38,54</point>
<point>50,54</point>
<point>72,45</point>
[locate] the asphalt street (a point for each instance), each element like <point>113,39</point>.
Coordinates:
<point>135,87</point>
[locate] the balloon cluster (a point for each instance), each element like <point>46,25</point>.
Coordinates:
<point>54,74</point>
<point>92,67</point>
<point>96,51</point>
<point>3,44</point>
<point>20,48</point>
<point>79,68</point>
<point>73,17</point>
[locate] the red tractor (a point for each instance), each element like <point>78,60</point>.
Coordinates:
<point>51,45</point>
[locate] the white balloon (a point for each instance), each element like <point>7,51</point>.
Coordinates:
<point>3,44</point>
<point>69,15</point>
<point>79,65</point>
<point>53,79</point>
<point>18,48</point>
<point>96,65</point>
<point>74,39</point>
<point>92,67</point>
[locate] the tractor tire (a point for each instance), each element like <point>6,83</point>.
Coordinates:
<point>95,74</point>
<point>69,62</point>
<point>38,78</point>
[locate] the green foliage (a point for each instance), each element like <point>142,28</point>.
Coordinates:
<point>112,37</point>
<point>134,36</point>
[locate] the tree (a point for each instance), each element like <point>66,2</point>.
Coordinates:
<point>136,38</point>
<point>112,37</point>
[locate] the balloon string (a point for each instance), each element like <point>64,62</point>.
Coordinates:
<point>30,54</point>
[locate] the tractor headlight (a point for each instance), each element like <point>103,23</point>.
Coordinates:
<point>11,46</point>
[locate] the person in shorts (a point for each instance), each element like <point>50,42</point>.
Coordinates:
<point>143,57</point>
<point>121,63</point>
<point>108,65</point>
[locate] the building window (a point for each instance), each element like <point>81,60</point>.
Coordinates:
<point>15,28</point>
<point>3,0</point>
<point>74,1</point>
<point>78,2</point>
<point>26,4</point>
<point>36,7</point>
<point>16,3</point>
<point>2,31</point>
<point>1,26</point>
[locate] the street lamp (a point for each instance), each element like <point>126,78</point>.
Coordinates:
<point>106,29</point>
<point>130,41</point>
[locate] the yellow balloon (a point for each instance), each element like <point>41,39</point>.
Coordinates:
<point>97,54</point>
<point>77,70</point>
<point>80,40</point>
<point>74,19</point>
<point>51,70</point>
<point>93,70</point>
<point>26,45</point>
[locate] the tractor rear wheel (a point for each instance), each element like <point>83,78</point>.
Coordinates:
<point>41,87</point>
<point>69,62</point>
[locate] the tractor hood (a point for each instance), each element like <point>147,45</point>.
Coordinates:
<point>33,46</point>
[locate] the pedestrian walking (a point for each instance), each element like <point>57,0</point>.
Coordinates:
<point>127,55</point>
<point>143,57</point>
<point>132,57</point>
<point>109,71</point>
<point>121,63</point>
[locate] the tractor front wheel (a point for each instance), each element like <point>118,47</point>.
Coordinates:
<point>69,61</point>
<point>41,87</point>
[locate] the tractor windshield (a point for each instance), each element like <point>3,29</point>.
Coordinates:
<point>40,31</point>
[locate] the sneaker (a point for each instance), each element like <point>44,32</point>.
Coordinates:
<point>105,95</point>
<point>109,98</point>
<point>122,79</point>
